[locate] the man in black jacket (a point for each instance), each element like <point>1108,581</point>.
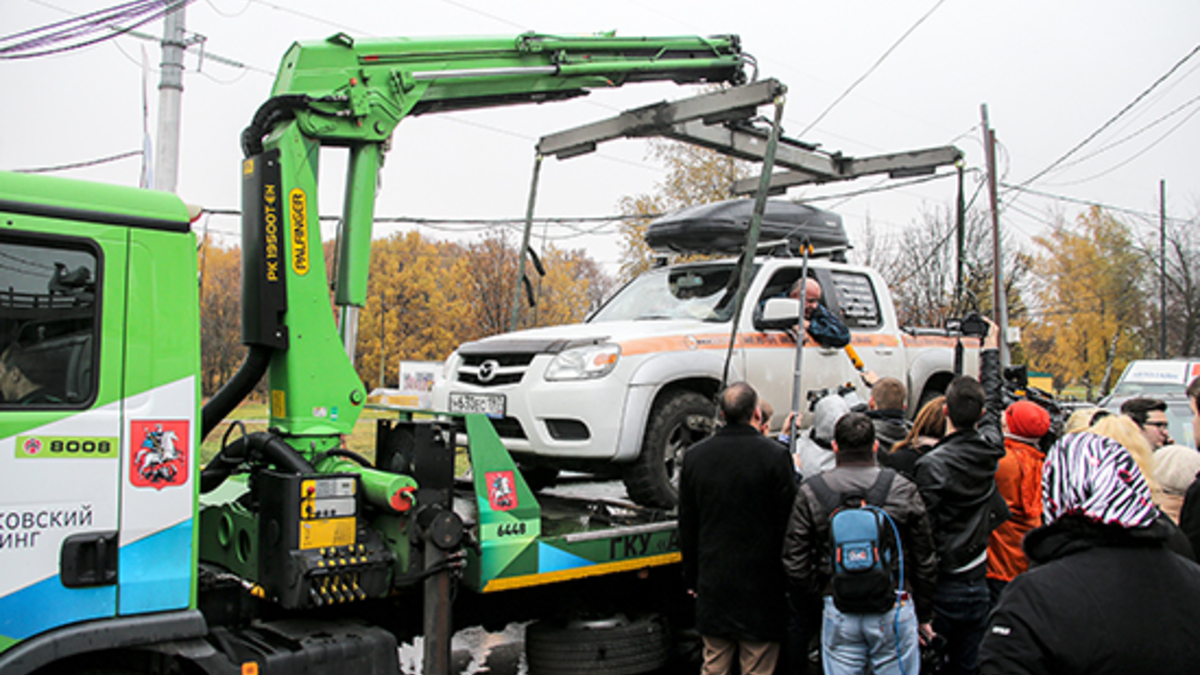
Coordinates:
<point>957,482</point>
<point>735,492</point>
<point>1104,594</point>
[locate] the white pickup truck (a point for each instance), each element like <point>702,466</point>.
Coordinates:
<point>633,386</point>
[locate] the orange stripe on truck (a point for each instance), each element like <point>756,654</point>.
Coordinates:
<point>935,341</point>
<point>679,343</point>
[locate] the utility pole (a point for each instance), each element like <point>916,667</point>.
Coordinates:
<point>999,298</point>
<point>1162,268</point>
<point>170,94</point>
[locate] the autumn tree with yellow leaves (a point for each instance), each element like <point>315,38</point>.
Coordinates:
<point>221,349</point>
<point>424,298</point>
<point>1091,302</point>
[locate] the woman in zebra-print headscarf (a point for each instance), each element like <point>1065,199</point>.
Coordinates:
<point>1095,477</point>
<point>1105,593</point>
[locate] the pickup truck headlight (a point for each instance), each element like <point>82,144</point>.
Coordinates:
<point>584,363</point>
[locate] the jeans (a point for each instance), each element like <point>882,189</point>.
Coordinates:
<point>887,641</point>
<point>960,609</point>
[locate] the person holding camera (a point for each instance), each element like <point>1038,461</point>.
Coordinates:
<point>957,483</point>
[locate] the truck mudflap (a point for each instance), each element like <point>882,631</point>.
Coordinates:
<point>526,541</point>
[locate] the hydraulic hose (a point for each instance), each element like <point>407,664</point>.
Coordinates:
<point>260,444</point>
<point>236,389</point>
<point>270,113</point>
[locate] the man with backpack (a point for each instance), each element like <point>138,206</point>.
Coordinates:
<point>859,536</point>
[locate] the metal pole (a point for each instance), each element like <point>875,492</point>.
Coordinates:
<point>961,228</point>
<point>801,336</point>
<point>170,94</point>
<point>438,625</point>
<point>516,304</point>
<point>999,299</point>
<point>746,262</point>
<point>1162,268</point>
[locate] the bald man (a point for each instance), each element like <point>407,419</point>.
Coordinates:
<point>821,324</point>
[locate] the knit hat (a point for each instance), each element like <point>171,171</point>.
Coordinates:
<point>826,414</point>
<point>1095,477</point>
<point>1175,467</point>
<point>1027,420</point>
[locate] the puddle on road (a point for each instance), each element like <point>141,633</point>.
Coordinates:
<point>475,650</point>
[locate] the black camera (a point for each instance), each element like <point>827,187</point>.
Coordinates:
<point>815,395</point>
<point>971,325</point>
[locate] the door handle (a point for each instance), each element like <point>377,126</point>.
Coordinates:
<point>88,559</point>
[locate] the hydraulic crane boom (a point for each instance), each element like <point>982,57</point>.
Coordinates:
<point>353,93</point>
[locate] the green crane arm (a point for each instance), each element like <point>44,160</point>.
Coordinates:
<point>358,91</point>
<point>353,93</point>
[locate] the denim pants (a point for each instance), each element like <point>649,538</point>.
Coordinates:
<point>960,609</point>
<point>887,641</point>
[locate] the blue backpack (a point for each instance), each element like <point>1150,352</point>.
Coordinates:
<point>864,546</point>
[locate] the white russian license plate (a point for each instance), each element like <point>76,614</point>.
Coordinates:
<point>491,405</point>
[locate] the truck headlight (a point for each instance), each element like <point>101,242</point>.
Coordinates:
<point>584,363</point>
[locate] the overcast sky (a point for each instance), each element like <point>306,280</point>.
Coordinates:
<point>1051,73</point>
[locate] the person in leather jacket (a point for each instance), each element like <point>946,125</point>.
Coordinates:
<point>957,482</point>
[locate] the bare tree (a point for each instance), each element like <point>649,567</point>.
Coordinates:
<point>1182,288</point>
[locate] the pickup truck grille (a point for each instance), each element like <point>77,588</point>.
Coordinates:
<point>493,370</point>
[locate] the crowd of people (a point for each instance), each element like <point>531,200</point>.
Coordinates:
<point>1010,541</point>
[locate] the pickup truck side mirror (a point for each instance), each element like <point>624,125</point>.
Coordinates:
<point>778,314</point>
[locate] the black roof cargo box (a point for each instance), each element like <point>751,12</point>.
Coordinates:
<point>720,228</point>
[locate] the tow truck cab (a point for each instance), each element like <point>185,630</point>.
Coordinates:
<point>99,316</point>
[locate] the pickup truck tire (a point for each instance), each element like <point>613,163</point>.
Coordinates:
<point>615,646</point>
<point>675,424</point>
<point>539,478</point>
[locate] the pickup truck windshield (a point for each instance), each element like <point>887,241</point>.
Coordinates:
<point>702,292</point>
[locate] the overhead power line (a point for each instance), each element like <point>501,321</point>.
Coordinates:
<point>870,70</point>
<point>80,165</point>
<point>1137,154</point>
<point>84,30</point>
<point>1113,119</point>
<point>1135,134</point>
<point>1087,202</point>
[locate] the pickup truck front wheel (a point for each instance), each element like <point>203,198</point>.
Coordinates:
<point>677,421</point>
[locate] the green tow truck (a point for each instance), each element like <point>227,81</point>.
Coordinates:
<point>288,553</point>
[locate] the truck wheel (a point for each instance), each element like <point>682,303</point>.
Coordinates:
<point>679,420</point>
<point>927,396</point>
<point>539,478</point>
<point>615,646</point>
